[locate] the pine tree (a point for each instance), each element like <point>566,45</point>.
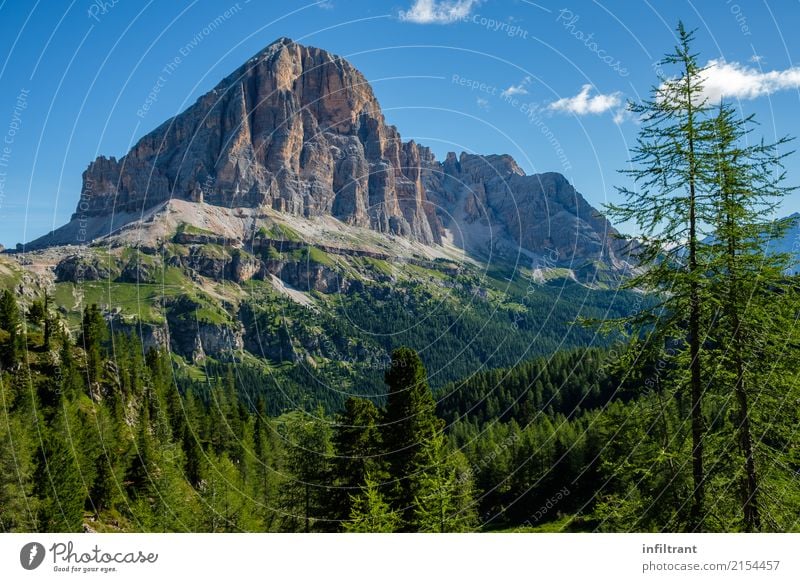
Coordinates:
<point>36,312</point>
<point>93,341</point>
<point>756,299</point>
<point>18,504</point>
<point>309,452</point>
<point>49,321</point>
<point>102,454</point>
<point>370,513</point>
<point>143,469</point>
<point>266,449</point>
<point>672,171</point>
<point>60,485</point>
<point>10,323</point>
<point>357,442</point>
<point>190,439</point>
<point>409,425</point>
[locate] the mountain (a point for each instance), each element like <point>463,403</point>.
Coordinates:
<point>788,243</point>
<point>298,131</point>
<point>281,223</point>
<point>294,129</point>
<point>489,204</point>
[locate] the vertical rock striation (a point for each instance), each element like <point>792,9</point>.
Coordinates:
<point>296,129</point>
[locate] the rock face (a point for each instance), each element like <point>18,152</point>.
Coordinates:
<point>152,336</point>
<point>296,129</point>
<point>299,131</point>
<point>194,338</point>
<point>77,268</point>
<point>488,200</point>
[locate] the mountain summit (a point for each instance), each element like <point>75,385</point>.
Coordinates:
<point>298,131</point>
<point>295,129</point>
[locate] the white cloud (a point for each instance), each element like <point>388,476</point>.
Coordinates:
<point>583,104</point>
<point>483,103</point>
<point>737,81</point>
<point>438,11</point>
<point>517,89</point>
<point>624,114</point>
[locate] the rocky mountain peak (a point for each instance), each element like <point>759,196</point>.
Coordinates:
<point>295,129</point>
<point>298,131</point>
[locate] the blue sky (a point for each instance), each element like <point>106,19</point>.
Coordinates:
<point>542,81</point>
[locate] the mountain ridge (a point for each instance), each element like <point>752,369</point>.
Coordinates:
<point>299,131</point>
<point>281,223</point>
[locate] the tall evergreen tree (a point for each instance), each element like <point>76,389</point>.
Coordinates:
<point>266,449</point>
<point>749,284</point>
<point>672,169</point>
<point>357,442</point>
<point>94,336</point>
<point>49,321</point>
<point>10,323</point>
<point>18,502</point>
<point>308,451</point>
<point>409,425</point>
<point>60,485</point>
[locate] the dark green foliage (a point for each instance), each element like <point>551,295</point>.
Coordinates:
<point>10,333</point>
<point>564,383</point>
<point>358,444</point>
<point>94,335</point>
<point>19,505</point>
<point>59,483</point>
<point>563,442</point>
<point>36,312</point>
<point>309,453</point>
<point>352,337</point>
<point>410,427</point>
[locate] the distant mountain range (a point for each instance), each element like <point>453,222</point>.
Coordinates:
<point>790,242</point>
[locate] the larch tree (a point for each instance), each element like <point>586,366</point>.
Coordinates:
<point>753,297</point>
<point>370,512</point>
<point>671,168</point>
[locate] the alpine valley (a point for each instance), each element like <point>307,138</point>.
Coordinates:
<point>280,223</point>
<point>275,315</point>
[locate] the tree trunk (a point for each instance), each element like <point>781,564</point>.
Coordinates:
<point>307,508</point>
<point>752,518</point>
<point>694,329</point>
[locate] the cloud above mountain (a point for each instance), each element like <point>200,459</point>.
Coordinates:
<point>586,104</point>
<point>438,11</point>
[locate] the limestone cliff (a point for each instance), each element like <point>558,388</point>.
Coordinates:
<point>296,129</point>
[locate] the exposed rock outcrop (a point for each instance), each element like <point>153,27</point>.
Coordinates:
<point>295,128</point>
<point>151,335</point>
<point>79,268</point>
<point>298,131</point>
<point>194,337</point>
<point>541,213</point>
